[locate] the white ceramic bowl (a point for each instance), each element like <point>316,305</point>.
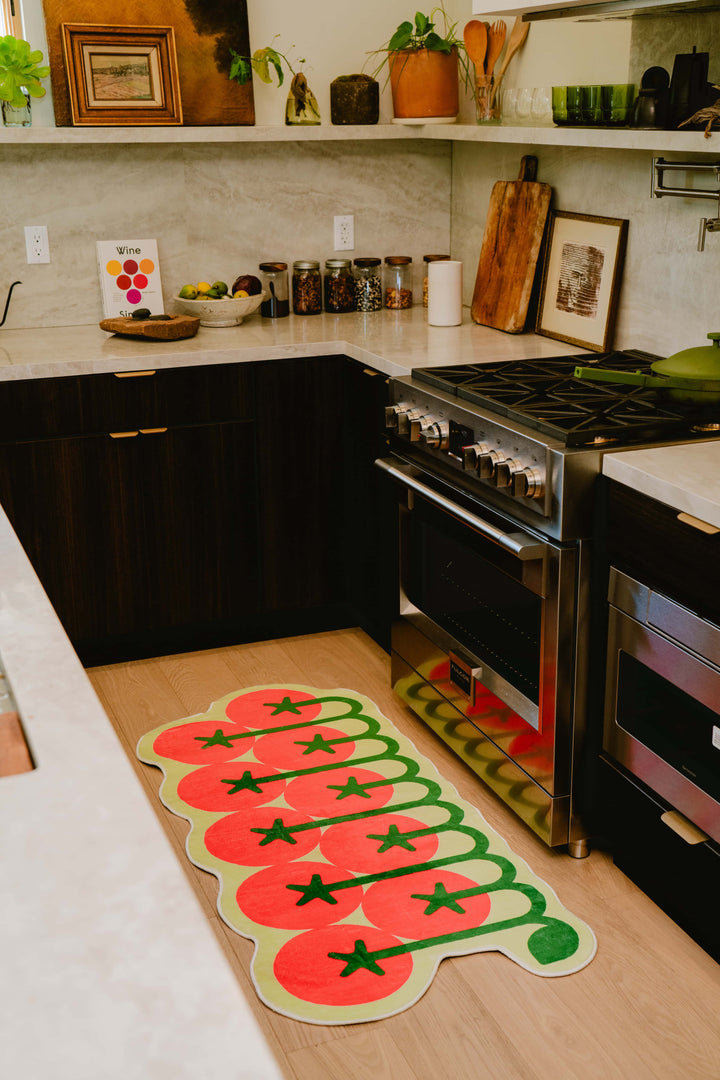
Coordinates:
<point>220,312</point>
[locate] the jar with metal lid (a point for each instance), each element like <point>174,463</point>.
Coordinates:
<point>428,259</point>
<point>397,281</point>
<point>306,287</point>
<point>276,305</point>
<point>339,286</point>
<point>368,284</point>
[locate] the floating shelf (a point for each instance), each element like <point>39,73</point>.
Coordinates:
<point>588,137</point>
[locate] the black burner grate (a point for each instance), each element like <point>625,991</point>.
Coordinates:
<point>546,396</point>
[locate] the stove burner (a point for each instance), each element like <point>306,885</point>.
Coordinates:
<point>545,395</point>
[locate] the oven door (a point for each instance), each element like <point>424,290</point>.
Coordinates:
<point>662,699</point>
<point>488,614</point>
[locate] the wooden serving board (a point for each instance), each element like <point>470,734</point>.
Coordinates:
<point>511,244</point>
<point>172,329</point>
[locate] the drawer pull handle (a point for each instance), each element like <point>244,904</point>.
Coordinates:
<point>697,523</point>
<point>684,828</point>
<point>132,374</point>
<point>153,430</point>
<point>123,434</point>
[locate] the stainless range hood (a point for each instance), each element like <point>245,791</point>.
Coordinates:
<point>620,9</point>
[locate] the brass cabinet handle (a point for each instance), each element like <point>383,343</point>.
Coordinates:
<point>684,828</point>
<point>140,431</point>
<point>697,523</point>
<point>131,374</point>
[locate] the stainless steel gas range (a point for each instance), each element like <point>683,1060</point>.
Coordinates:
<point>494,467</point>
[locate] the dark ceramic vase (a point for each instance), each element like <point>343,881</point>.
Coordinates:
<point>354,99</point>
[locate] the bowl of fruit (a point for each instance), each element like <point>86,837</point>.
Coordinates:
<point>217,305</point>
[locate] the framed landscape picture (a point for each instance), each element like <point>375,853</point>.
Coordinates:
<point>122,74</point>
<point>205,35</point>
<point>581,279</point>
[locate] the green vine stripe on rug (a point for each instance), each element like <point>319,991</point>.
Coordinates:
<point>341,851</point>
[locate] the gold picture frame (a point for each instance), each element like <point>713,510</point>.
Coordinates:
<point>121,74</point>
<point>581,276</point>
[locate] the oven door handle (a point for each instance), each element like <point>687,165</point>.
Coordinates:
<point>523,546</point>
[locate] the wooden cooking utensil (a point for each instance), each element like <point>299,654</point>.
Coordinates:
<point>511,243</point>
<point>517,38</point>
<point>496,40</point>
<point>475,37</point>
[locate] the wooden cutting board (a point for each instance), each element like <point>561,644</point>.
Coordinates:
<point>511,244</point>
<point>172,329</point>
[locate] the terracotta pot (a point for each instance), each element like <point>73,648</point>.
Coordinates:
<point>424,83</point>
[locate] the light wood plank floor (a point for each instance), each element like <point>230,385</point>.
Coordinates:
<point>646,1008</point>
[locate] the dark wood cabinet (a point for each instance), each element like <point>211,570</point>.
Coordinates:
<point>302,473</point>
<point>145,535</point>
<point>370,506</point>
<point>192,507</point>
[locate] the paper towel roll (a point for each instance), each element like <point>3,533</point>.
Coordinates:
<point>445,292</point>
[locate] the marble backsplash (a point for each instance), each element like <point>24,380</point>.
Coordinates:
<point>669,289</point>
<point>216,211</point>
<point>668,297</point>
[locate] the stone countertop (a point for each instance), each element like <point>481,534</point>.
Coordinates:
<point>685,477</point>
<point>389,341</point>
<point>99,975</point>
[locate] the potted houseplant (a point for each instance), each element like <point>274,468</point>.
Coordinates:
<point>301,108</point>
<point>424,63</point>
<point>20,74</point>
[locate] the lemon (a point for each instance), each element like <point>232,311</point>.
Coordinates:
<point>240,293</point>
<point>220,287</point>
<point>203,287</point>
<point>188,292</point>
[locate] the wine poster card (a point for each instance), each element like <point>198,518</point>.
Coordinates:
<point>129,277</point>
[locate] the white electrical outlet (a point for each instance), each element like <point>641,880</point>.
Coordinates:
<point>36,244</point>
<point>344,232</point>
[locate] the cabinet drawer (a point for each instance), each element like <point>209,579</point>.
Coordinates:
<point>645,538</point>
<point>97,404</point>
<point>681,878</point>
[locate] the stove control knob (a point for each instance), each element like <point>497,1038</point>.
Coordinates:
<point>488,463</point>
<point>405,421</point>
<point>436,433</point>
<point>504,472</point>
<point>392,415</point>
<point>528,483</point>
<point>471,455</point>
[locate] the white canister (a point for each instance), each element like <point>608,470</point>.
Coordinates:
<point>445,293</point>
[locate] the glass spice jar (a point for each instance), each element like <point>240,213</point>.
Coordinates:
<point>339,286</point>
<point>275,284</point>
<point>428,259</point>
<point>397,281</point>
<point>368,285</point>
<point>306,287</point>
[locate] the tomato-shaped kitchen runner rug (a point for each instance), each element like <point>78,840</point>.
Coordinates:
<point>344,855</point>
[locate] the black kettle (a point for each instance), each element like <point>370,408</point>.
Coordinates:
<point>651,106</point>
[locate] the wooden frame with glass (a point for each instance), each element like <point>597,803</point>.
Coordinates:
<point>121,74</point>
<point>581,279</point>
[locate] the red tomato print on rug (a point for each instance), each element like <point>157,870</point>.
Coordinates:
<point>303,749</point>
<point>264,836</point>
<point>261,709</point>
<point>378,843</point>
<point>299,895</point>
<point>311,966</point>
<point>203,743</point>
<point>339,791</point>
<point>427,904</point>
<point>313,813</point>
<point>231,786</point>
